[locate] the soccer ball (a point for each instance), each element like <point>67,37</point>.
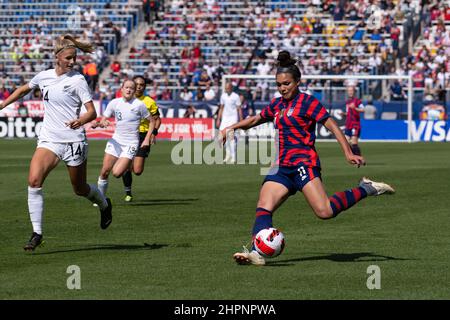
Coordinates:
<point>269,242</point>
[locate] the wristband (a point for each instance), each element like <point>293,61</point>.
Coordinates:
<point>155,132</point>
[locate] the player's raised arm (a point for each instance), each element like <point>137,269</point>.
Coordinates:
<point>16,95</point>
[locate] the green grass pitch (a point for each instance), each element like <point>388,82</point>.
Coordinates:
<point>176,240</point>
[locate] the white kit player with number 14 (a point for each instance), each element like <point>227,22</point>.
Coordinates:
<point>62,136</point>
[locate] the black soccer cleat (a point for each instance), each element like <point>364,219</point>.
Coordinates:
<point>35,241</point>
<point>106,215</point>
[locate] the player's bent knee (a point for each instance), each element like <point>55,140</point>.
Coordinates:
<point>324,213</point>
<point>81,191</point>
<point>138,173</point>
<point>118,173</point>
<point>34,183</point>
<point>105,174</point>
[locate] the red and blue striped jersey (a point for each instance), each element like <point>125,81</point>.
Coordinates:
<point>353,117</point>
<point>295,122</point>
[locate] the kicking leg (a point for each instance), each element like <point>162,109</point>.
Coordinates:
<point>271,196</point>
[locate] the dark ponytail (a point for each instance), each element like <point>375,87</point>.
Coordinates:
<point>285,64</point>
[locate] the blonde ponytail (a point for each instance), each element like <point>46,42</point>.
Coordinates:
<point>68,41</point>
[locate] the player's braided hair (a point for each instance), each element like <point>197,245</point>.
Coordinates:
<point>285,64</point>
<point>68,41</point>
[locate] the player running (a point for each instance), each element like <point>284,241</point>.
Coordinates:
<point>139,160</point>
<point>62,136</point>
<point>122,147</point>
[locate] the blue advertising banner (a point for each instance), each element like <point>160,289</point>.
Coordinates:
<point>422,130</point>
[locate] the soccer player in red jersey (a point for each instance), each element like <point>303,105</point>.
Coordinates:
<point>353,108</point>
<point>295,115</point>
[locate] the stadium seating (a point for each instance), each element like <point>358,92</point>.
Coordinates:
<point>232,34</point>
<point>228,37</point>
<point>27,30</point>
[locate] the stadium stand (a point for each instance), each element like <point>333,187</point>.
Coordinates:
<point>191,44</point>
<point>27,30</point>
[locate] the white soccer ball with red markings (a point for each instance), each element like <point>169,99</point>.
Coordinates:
<point>269,242</point>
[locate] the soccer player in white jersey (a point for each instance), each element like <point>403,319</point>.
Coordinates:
<point>229,113</point>
<point>62,136</point>
<point>120,150</point>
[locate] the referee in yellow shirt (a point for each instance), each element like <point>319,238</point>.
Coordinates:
<point>139,159</point>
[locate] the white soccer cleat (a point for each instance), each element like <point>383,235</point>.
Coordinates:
<point>374,188</point>
<point>247,257</point>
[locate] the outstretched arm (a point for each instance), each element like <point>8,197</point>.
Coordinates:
<point>243,124</point>
<point>16,95</point>
<point>331,125</point>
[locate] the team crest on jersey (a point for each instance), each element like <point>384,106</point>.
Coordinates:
<point>289,113</point>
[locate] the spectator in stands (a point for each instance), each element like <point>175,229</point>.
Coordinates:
<point>90,15</point>
<point>115,67</point>
<point>204,80</point>
<point>4,93</point>
<point>200,96</point>
<point>186,95</point>
<point>154,92</point>
<point>263,68</point>
<point>397,92</point>
<point>209,93</point>
<point>91,73</point>
<point>190,112</point>
<point>433,111</point>
<point>418,78</point>
<point>128,71</point>
<point>22,110</point>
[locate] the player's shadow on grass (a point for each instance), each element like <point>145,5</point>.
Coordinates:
<point>336,257</point>
<point>163,202</point>
<point>112,247</point>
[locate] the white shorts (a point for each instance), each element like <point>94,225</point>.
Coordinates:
<point>72,153</point>
<point>118,150</point>
<point>226,122</point>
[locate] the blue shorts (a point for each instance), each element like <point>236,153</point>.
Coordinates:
<point>293,178</point>
<point>353,132</point>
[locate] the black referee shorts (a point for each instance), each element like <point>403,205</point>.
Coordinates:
<point>142,152</point>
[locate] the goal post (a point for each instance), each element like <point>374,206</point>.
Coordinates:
<point>374,86</point>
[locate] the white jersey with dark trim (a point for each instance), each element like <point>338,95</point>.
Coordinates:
<point>63,98</point>
<point>128,115</point>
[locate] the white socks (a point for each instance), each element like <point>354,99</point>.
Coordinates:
<point>96,196</point>
<point>102,186</point>
<point>36,208</point>
<point>230,150</point>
